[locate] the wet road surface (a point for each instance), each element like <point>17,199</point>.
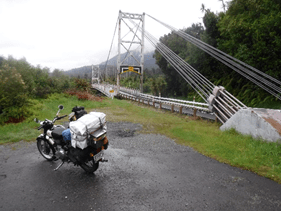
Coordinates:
<point>144,172</point>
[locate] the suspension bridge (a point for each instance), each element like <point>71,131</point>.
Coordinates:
<point>219,103</point>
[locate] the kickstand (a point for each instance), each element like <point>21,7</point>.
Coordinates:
<point>59,166</point>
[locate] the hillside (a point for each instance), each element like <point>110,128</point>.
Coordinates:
<point>149,65</point>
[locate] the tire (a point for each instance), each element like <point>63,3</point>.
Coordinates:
<point>90,166</point>
<point>45,150</point>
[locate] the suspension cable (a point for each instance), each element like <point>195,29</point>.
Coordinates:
<point>111,44</point>
<point>185,70</point>
<point>232,62</point>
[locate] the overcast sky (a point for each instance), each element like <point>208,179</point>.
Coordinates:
<point>65,34</point>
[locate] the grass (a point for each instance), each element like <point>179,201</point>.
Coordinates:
<point>228,147</point>
<point>205,137</point>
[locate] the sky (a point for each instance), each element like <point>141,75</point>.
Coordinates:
<point>66,34</point>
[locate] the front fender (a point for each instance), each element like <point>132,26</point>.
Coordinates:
<point>41,136</point>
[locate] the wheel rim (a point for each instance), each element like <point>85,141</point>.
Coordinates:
<point>45,149</point>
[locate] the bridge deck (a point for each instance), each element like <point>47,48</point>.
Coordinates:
<point>108,90</point>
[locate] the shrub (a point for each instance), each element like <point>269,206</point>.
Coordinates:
<point>82,84</point>
<point>13,95</point>
<point>83,95</point>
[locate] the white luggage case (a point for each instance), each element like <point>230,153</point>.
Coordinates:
<point>92,123</point>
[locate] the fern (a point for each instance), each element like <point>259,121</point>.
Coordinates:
<point>246,92</point>
<point>253,102</point>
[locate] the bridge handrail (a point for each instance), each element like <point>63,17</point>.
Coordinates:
<point>167,102</point>
<point>162,98</point>
<point>133,93</point>
<point>174,100</point>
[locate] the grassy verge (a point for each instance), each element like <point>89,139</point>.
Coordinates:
<point>205,137</point>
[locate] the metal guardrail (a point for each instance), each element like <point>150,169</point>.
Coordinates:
<point>176,102</point>
<point>135,94</point>
<point>181,106</point>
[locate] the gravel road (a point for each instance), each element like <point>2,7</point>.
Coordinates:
<point>144,172</point>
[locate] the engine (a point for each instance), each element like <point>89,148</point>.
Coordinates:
<point>61,154</point>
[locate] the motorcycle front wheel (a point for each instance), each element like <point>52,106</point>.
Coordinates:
<point>90,166</point>
<point>45,150</point>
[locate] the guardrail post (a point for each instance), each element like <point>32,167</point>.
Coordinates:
<point>172,108</point>
<point>160,105</point>
<point>180,109</point>
<point>194,112</point>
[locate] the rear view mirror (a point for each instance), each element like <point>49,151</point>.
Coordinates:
<point>61,107</point>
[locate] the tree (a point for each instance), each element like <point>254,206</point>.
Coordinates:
<point>223,5</point>
<point>26,71</point>
<point>176,85</point>
<point>251,31</point>
<point>42,81</point>
<point>57,73</point>
<point>13,94</point>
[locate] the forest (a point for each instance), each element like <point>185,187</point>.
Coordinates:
<point>249,30</point>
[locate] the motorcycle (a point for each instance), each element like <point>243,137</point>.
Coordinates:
<point>53,146</point>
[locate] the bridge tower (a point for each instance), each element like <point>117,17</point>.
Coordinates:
<point>95,73</point>
<point>136,39</point>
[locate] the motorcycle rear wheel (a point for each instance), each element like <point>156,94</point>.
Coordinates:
<point>45,150</point>
<point>90,166</point>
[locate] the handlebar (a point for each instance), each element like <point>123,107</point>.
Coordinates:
<point>49,121</point>
<point>58,118</point>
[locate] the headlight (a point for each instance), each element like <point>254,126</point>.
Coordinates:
<point>49,133</point>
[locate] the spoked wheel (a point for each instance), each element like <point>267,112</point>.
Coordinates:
<point>90,166</point>
<point>45,150</point>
